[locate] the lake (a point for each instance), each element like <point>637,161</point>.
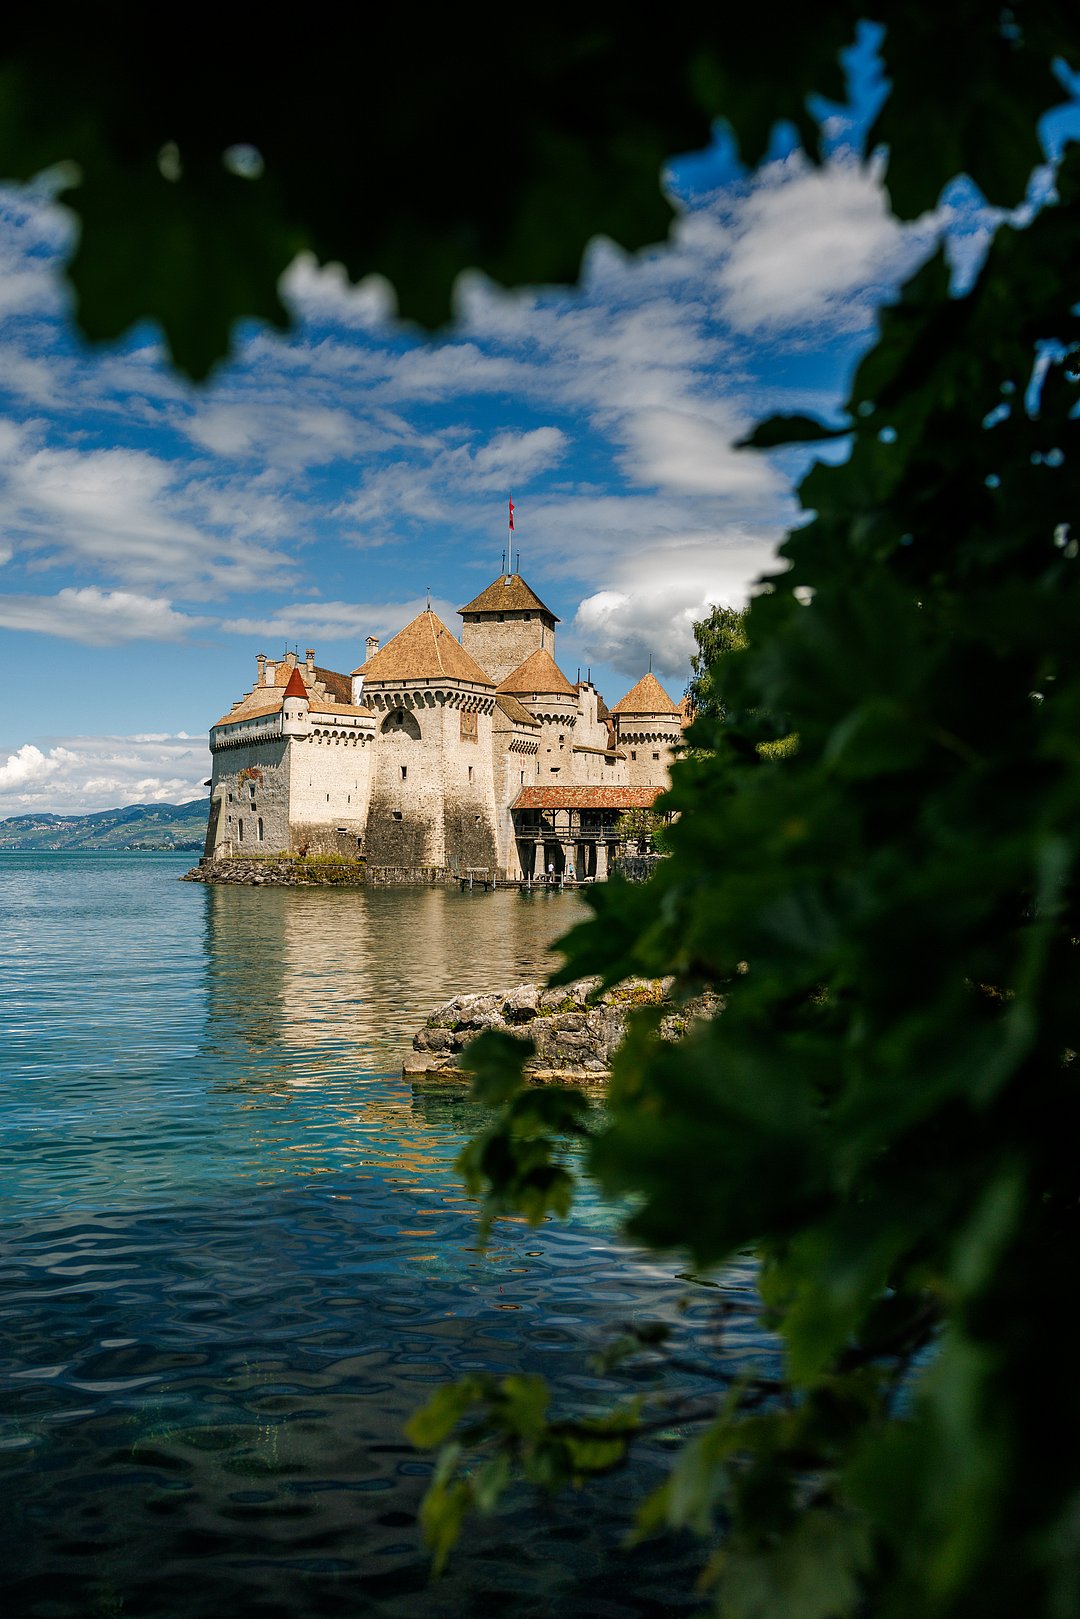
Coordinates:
<point>235,1254</point>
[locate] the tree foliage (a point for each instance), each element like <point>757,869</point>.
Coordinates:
<point>199,160</point>
<point>887,1109</point>
<point>721,632</point>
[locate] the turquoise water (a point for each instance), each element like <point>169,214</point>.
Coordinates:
<point>234,1255</point>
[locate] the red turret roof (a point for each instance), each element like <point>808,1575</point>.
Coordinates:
<point>296,687</point>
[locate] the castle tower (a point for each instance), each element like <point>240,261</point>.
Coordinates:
<point>647,728</point>
<point>295,707</point>
<point>433,796</point>
<point>506,623</point>
<point>544,691</point>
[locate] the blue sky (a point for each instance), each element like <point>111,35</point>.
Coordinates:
<point>154,537</point>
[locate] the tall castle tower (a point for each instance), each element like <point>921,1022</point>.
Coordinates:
<point>506,624</point>
<point>433,795</point>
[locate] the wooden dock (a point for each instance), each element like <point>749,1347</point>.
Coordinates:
<point>542,885</point>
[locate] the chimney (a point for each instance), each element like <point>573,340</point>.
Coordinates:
<point>260,661</point>
<point>290,659</point>
<point>371,646</point>
<point>309,657</point>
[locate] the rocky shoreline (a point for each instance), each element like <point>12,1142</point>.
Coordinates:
<point>288,872</point>
<point>575,1030</point>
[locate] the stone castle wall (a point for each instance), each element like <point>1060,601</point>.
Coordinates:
<point>433,794</point>
<point>499,647</point>
<point>250,786</point>
<point>330,784</point>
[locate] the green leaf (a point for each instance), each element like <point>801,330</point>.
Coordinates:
<point>793,429</point>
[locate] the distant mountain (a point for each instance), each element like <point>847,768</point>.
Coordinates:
<point>136,826</point>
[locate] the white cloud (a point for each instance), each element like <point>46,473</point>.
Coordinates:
<point>656,596</point>
<point>324,292</point>
<point>126,513</point>
<point>76,775</point>
<point>97,617</point>
<point>510,457</point>
<point>27,765</point>
<point>808,245</point>
<point>677,450</point>
<point>337,621</point>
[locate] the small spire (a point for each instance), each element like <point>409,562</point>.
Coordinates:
<point>429,606</point>
<point>650,663</point>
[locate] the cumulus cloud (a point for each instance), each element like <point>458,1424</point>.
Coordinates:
<point>77,775</point>
<point>28,764</point>
<point>97,617</point>
<point>656,597</point>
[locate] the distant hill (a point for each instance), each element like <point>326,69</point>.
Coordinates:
<point>136,826</point>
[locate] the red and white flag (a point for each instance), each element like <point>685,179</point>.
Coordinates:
<point>511,516</point>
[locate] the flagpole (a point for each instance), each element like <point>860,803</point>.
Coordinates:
<point>510,539</point>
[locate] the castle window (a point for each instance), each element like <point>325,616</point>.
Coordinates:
<point>404,772</point>
<point>402,723</point>
<point>470,772</point>
<point>633,755</point>
<point>396,814</point>
<point>260,829</point>
<point>656,756</point>
<point>240,825</point>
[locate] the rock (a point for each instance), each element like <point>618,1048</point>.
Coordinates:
<point>575,1029</point>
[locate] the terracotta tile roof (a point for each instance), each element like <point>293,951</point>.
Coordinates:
<point>507,594</point>
<point>338,686</point>
<point>540,674</point>
<point>296,687</point>
<point>647,697</point>
<point>614,798</point>
<point>330,709</point>
<point>514,710</point>
<point>263,700</point>
<point>423,650</point>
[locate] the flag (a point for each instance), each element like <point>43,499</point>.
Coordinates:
<point>511,516</point>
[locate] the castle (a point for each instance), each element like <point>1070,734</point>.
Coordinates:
<point>440,758</point>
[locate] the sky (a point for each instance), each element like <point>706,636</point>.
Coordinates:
<point>155,536</point>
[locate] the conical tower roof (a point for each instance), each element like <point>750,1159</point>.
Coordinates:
<point>647,697</point>
<point>424,650</point>
<point>508,594</point>
<point>540,674</point>
<point>296,687</point>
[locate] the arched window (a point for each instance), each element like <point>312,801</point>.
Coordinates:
<point>399,722</point>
